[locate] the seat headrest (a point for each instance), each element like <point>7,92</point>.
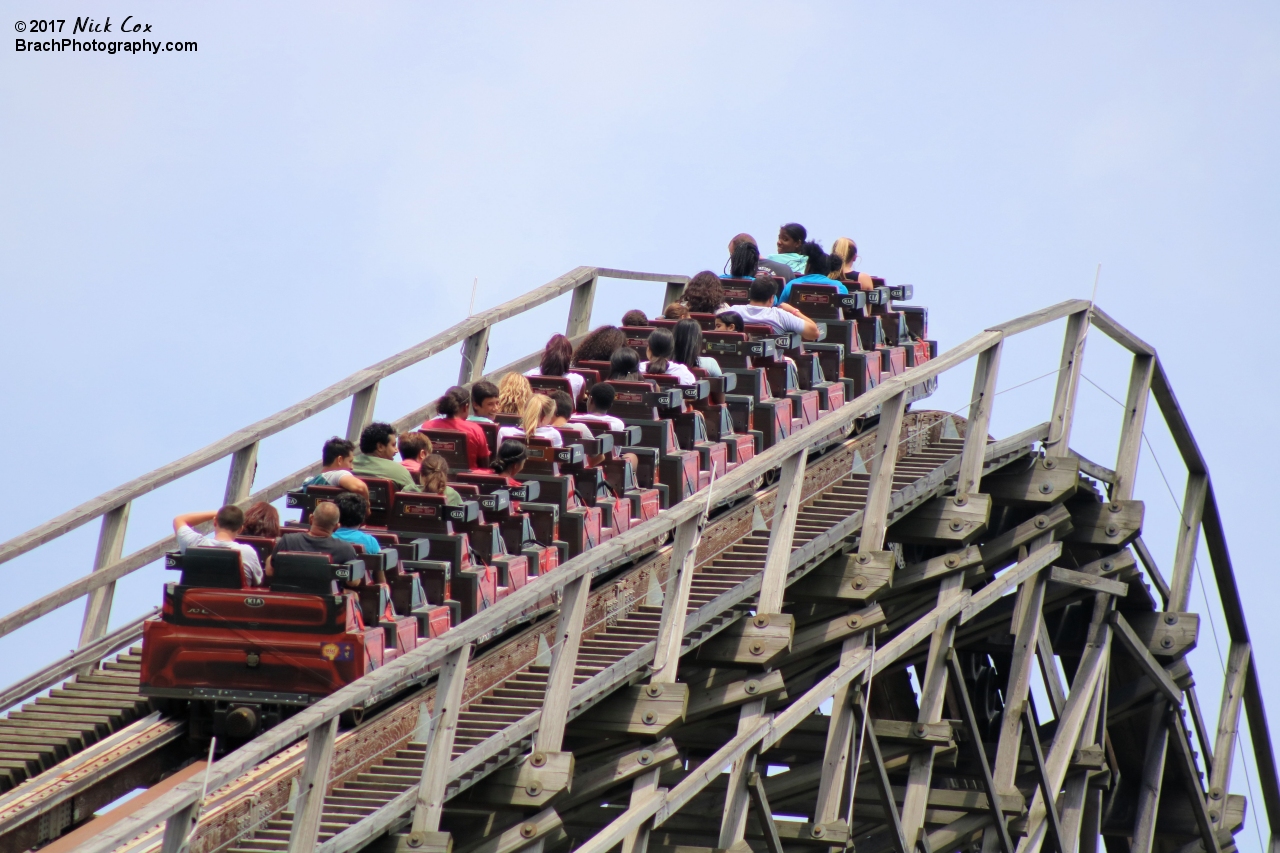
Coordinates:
<point>212,567</point>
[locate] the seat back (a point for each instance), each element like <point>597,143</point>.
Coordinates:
<point>602,369</point>
<point>688,393</point>
<point>310,573</point>
<point>638,338</point>
<point>547,384</point>
<point>263,545</point>
<point>706,321</point>
<point>421,513</point>
<point>590,376</point>
<point>637,400</point>
<point>663,323</point>
<point>504,419</point>
<point>382,500</point>
<point>211,566</point>
<point>452,445</point>
<point>490,435</point>
<point>816,301</point>
<point>735,290</point>
<point>490,483</point>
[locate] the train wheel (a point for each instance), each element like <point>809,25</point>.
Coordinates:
<point>351,718</point>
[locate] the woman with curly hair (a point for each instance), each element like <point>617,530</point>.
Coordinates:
<point>513,392</point>
<point>704,294</point>
<point>600,345</point>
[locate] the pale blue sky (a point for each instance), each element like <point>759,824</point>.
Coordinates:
<point>190,242</point>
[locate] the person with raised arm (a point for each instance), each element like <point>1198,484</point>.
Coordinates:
<point>227,524</point>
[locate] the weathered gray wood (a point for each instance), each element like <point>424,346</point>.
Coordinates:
<point>1169,634</point>
<point>475,352</point>
<point>177,829</point>
<point>675,602</point>
<point>1153,571</point>
<point>733,824</point>
<point>1135,416</point>
<point>1068,308</point>
<point>555,702</point>
<point>1186,763</point>
<point>646,711</point>
<point>1149,665</point>
<point>846,577</point>
<point>675,291</point>
<point>948,521</point>
<point>309,806</point>
<point>753,641</point>
<point>97,611</point>
<point>835,756</point>
<point>874,522</point>
<point>584,296</point>
<point>1009,744</point>
<point>1176,421</point>
<point>1064,396</point>
<point>1188,541</point>
<point>1088,581</point>
<point>1049,480</point>
<point>755,786</point>
<point>448,702</point>
<point>781,534</point>
<point>1120,334</point>
<point>1144,822</point>
<point>362,403</point>
<point>980,403</point>
<point>1239,659</point>
<point>961,691</point>
<point>244,464</point>
<point>1049,671</point>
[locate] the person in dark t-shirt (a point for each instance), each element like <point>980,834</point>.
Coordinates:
<point>319,539</point>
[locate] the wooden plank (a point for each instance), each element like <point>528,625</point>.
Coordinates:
<point>475,351</point>
<point>1153,571</point>
<point>244,463</point>
<point>980,404</point>
<point>764,814</point>
<point>874,522</point>
<point>1191,779</point>
<point>97,611</point>
<point>782,530</point>
<point>1120,334</point>
<point>1067,308</point>
<point>835,755</point>
<point>555,701</point>
<point>733,823</point>
<point>1093,469</point>
<point>1239,658</point>
<point>1087,581</point>
<point>584,296</point>
<point>971,720</point>
<point>1135,416</point>
<point>448,702</point>
<point>1009,743</point>
<point>362,403</point>
<point>675,601</point>
<point>1149,665</point>
<point>1188,541</point>
<point>1151,786</point>
<point>1176,421</point>
<point>309,806</point>
<point>1064,396</point>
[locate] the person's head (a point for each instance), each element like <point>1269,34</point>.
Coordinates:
<point>625,365</point>
<point>844,252</point>
<point>413,446</point>
<point>514,391</point>
<point>229,519</point>
<point>564,405</point>
<point>378,439</point>
<point>819,263</point>
<point>676,311</point>
<point>744,258</point>
<point>635,317</point>
<point>556,357</point>
<point>730,321</point>
<point>484,399</point>
<point>510,458</point>
<point>261,519</point>
<point>453,403</point>
<point>434,474</point>
<point>704,293</point>
<point>600,400</point>
<point>353,509</point>
<point>790,238</point>
<point>762,290</point>
<point>600,345</point>
<point>325,518</point>
<point>739,239</point>
<point>337,453</point>
<point>662,346</point>
<point>688,342</point>
<point>540,411</point>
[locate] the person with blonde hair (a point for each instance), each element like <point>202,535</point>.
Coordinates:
<point>514,391</point>
<point>536,419</point>
<point>847,251</point>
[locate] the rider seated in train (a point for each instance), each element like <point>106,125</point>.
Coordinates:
<point>227,524</point>
<point>625,365</point>
<point>556,358</point>
<point>262,519</point>
<point>688,348</point>
<point>730,321</point>
<point>509,461</point>
<point>820,264</point>
<point>451,411</point>
<point>635,317</point>
<point>536,419</point>
<point>352,511</point>
<point>413,447</point>
<point>791,239</point>
<point>319,539</point>
<point>781,318</point>
<point>847,252</point>
<point>514,391</point>
<point>337,458</point>
<point>434,478</point>
<point>564,411</point>
<point>661,351</point>
<point>704,294</point>
<point>484,402</point>
<point>745,261</point>
<point>599,401</point>
<point>378,444</point>
<point>600,345</point>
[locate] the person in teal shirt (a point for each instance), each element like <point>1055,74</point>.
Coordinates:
<point>352,511</point>
<point>791,239</point>
<point>818,264</point>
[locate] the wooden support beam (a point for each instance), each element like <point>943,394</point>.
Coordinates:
<point>1144,823</point>
<point>1239,658</point>
<point>1135,416</point>
<point>475,351</point>
<point>733,824</point>
<point>764,814</point>
<point>835,756</point>
<point>97,610</point>
<point>781,533</point>
<point>1207,822</point>
<point>309,806</point>
<point>362,403</point>
<point>177,829</point>
<point>1049,672</point>
<point>244,464</point>
<point>675,600</point>
<point>874,524</point>
<point>674,292</point>
<point>1149,665</point>
<point>431,787</point>
<point>1082,580</point>
<point>887,802</point>
<point>1153,571</point>
<point>1048,789</point>
<point>980,403</point>
<point>584,296</point>
<point>1188,541</point>
<point>555,702</point>
<point>971,720</point>
<point>1064,396</point>
<point>1029,604</point>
